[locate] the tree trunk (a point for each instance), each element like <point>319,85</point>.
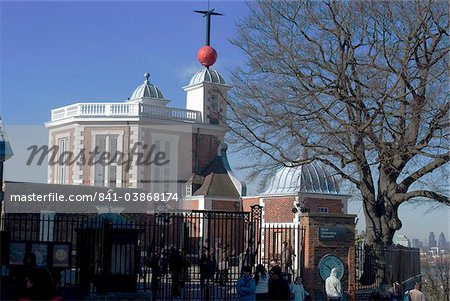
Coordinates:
<point>381,223</point>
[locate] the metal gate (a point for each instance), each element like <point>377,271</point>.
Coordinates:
<point>282,244</point>
<point>200,253</point>
<point>194,255</point>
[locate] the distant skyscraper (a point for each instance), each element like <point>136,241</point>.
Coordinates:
<point>432,240</point>
<point>442,243</point>
<point>416,243</point>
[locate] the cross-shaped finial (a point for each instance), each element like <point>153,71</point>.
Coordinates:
<point>208,14</point>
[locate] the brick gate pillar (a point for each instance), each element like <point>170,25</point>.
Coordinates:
<point>328,234</point>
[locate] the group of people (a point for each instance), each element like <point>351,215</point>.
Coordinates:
<point>214,265</point>
<point>383,293</point>
<point>174,260</point>
<point>268,286</point>
<point>285,260</point>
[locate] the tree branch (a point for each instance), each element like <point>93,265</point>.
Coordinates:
<point>445,200</point>
<point>438,162</point>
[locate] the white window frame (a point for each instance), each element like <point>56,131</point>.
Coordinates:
<point>188,189</point>
<point>62,171</point>
<point>108,134</point>
<point>166,172</point>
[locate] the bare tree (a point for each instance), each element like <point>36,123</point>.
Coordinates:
<point>436,278</point>
<point>361,85</point>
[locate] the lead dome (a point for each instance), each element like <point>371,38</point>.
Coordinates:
<point>147,90</point>
<point>207,75</point>
<point>308,178</point>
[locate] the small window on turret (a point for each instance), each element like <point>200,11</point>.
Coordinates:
<point>189,189</point>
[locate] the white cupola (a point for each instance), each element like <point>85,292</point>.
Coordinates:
<point>148,93</point>
<point>207,92</point>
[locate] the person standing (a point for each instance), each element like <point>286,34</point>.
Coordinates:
<point>156,273</point>
<point>176,264</point>
<point>22,275</point>
<point>35,283</point>
<point>245,285</point>
<point>262,282</point>
<point>333,286</point>
<point>298,290</point>
<point>223,264</point>
<point>416,294</point>
<point>278,286</point>
<point>395,292</point>
<point>40,285</point>
<point>204,265</point>
<point>286,257</point>
<point>184,268</point>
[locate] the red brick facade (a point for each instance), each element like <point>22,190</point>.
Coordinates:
<point>333,205</point>
<point>204,151</point>
<point>225,205</point>
<point>247,202</point>
<point>315,249</point>
<point>278,209</point>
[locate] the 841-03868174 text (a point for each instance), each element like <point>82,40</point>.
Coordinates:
<point>136,197</point>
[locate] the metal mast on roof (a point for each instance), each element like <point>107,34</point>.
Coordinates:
<point>208,13</point>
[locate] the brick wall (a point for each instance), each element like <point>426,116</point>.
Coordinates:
<point>248,202</point>
<point>334,206</point>
<point>225,205</point>
<point>278,210</point>
<point>204,151</point>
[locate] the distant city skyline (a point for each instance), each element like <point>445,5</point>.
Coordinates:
<point>431,242</point>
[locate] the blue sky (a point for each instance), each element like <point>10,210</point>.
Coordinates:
<point>54,53</point>
<point>57,53</point>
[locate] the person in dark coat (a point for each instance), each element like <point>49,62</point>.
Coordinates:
<point>40,285</point>
<point>176,264</point>
<point>278,286</point>
<point>23,273</point>
<point>286,258</point>
<point>34,283</point>
<point>205,264</point>
<point>156,273</point>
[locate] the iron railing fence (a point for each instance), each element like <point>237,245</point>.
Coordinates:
<point>400,264</point>
<point>162,253</point>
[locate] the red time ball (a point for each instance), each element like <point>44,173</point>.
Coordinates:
<point>207,56</point>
